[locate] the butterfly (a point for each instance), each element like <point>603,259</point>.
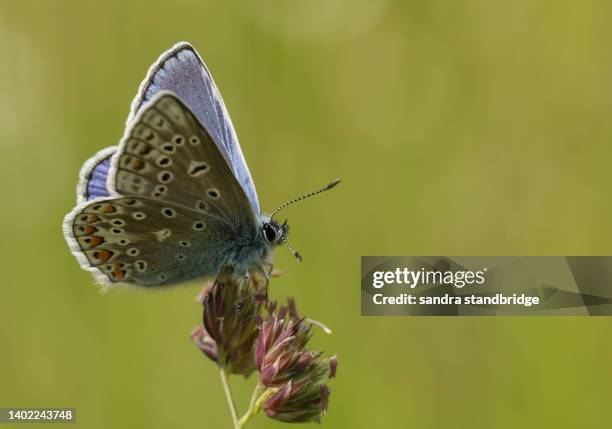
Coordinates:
<point>175,199</point>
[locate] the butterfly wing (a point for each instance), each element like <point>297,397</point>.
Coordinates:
<point>145,241</point>
<point>182,71</point>
<point>175,209</point>
<point>166,154</point>
<point>93,175</point>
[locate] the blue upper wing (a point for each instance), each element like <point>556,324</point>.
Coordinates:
<point>182,71</point>
<point>93,175</point>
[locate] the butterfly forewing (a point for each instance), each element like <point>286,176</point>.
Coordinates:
<point>182,71</point>
<point>168,156</point>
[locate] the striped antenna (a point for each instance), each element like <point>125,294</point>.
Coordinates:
<point>303,197</point>
<point>295,253</point>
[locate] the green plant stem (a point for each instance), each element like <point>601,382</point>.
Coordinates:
<point>254,396</point>
<point>228,396</point>
<point>251,411</point>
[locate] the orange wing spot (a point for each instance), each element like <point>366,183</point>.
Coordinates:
<point>104,208</point>
<point>119,275</point>
<point>88,229</point>
<point>139,148</point>
<point>102,255</point>
<point>132,163</point>
<point>109,208</point>
<point>91,241</point>
<point>95,241</point>
<point>143,149</point>
<point>137,164</point>
<point>85,229</point>
<point>89,218</point>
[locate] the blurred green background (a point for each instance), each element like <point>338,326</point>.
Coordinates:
<point>464,128</point>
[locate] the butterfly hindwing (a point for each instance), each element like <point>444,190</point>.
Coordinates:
<point>93,175</point>
<point>146,241</point>
<point>168,156</point>
<point>182,71</point>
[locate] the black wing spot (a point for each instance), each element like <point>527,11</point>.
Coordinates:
<point>169,148</point>
<point>178,140</point>
<point>165,176</point>
<point>199,225</point>
<point>197,168</point>
<point>164,161</point>
<point>213,193</point>
<point>202,206</point>
<point>168,212</point>
<point>141,265</point>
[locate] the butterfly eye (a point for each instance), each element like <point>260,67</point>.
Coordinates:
<point>269,232</point>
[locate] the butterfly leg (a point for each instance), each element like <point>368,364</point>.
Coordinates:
<point>261,287</point>
<point>271,270</point>
<point>266,275</point>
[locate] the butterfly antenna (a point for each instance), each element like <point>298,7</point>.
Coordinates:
<point>303,197</point>
<point>295,252</point>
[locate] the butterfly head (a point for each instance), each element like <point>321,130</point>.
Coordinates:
<point>273,232</point>
<point>276,233</point>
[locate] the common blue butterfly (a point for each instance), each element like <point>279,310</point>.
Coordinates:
<point>174,200</point>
